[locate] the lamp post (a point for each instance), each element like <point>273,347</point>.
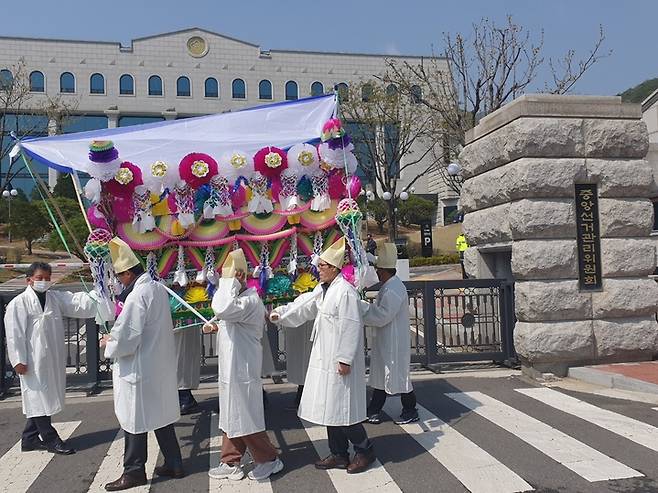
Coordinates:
<point>9,194</point>
<point>392,200</point>
<point>368,196</point>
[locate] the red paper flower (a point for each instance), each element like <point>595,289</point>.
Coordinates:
<point>336,185</point>
<point>270,161</point>
<point>197,169</point>
<point>125,180</point>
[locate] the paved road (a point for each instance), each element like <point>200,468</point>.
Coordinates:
<point>487,432</point>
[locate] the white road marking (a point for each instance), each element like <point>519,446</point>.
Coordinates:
<point>636,431</point>
<point>376,478</point>
<point>476,469</point>
<point>19,470</point>
<point>245,485</point>
<point>585,461</point>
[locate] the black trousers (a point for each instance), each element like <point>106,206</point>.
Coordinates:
<point>379,398</point>
<point>39,425</point>
<point>185,398</point>
<point>135,451</point>
<point>341,436</point>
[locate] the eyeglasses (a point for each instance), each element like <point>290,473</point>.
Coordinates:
<point>324,265</point>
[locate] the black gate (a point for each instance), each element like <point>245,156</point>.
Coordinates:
<point>451,321</point>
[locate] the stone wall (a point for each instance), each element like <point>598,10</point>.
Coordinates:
<point>521,164</point>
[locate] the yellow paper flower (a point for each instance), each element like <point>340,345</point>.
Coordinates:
<point>238,160</point>
<point>124,176</point>
<point>200,169</point>
<point>273,160</point>
<point>196,294</point>
<point>159,169</point>
<point>305,282</point>
<point>305,158</point>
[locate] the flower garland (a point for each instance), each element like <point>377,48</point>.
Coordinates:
<point>184,198</point>
<point>321,200</point>
<point>143,221</point>
<point>259,202</point>
<point>219,202</point>
<point>180,276</point>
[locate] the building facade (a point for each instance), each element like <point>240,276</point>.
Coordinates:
<point>179,75</point>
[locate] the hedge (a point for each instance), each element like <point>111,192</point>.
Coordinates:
<point>451,258</point>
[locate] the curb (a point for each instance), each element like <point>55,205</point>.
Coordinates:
<point>612,380</point>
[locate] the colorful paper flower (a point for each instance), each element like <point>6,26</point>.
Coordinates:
<point>270,161</point>
<point>304,159</point>
<point>234,164</point>
<point>160,176</point>
<point>332,129</point>
<point>103,161</point>
<point>126,179</point>
<point>197,169</point>
<point>305,282</point>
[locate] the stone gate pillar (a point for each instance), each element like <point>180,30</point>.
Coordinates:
<point>521,165</point>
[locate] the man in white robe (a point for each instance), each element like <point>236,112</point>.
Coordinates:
<point>142,346</point>
<point>36,347</point>
<point>335,387</point>
<point>390,356</point>
<point>241,317</point>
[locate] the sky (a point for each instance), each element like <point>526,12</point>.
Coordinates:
<point>408,27</point>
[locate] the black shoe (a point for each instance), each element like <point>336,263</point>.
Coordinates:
<point>30,446</point>
<point>409,416</point>
<point>125,482</point>
<point>375,418</point>
<point>170,472</point>
<point>58,447</point>
<point>190,408</point>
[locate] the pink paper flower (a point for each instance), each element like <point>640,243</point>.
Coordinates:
<point>125,180</point>
<point>270,161</point>
<point>197,169</point>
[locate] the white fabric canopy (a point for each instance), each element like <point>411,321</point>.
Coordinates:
<point>280,124</point>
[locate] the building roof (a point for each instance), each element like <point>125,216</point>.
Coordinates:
<point>650,101</point>
<point>213,33</point>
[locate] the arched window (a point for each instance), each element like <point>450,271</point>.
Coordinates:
<point>155,85</point>
<point>391,90</point>
<point>416,94</point>
<point>211,88</point>
<point>67,82</point>
<point>343,92</point>
<point>97,84</point>
<point>264,89</point>
<point>366,93</point>
<point>317,89</point>
<point>239,89</point>
<point>126,84</point>
<point>183,87</point>
<point>37,82</point>
<point>292,92</point>
<point>6,79</point>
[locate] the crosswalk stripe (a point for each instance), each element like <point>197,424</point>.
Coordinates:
<point>375,478</point>
<point>580,458</point>
<point>636,431</point>
<point>245,485</point>
<point>19,470</point>
<point>476,469</point>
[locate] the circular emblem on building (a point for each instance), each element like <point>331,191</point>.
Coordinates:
<point>197,46</point>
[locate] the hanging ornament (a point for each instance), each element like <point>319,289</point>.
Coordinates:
<point>97,251</point>
<point>270,161</point>
<point>263,272</point>
<point>209,266</point>
<point>318,243</point>
<point>197,169</point>
<point>292,264</point>
<point>219,202</point>
<point>349,218</point>
<point>185,204</point>
<point>103,161</point>
<point>152,266</point>
<point>259,203</point>
<point>143,221</point>
<point>321,200</point>
<point>180,276</point>
<point>288,193</point>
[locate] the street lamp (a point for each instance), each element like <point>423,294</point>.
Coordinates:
<point>9,194</point>
<point>388,197</point>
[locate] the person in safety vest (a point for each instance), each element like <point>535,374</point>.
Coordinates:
<point>462,245</point>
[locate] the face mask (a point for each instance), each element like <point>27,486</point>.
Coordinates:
<point>41,286</point>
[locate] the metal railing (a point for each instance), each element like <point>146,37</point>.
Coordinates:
<point>451,321</point>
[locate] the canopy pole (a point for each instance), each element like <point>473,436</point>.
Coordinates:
<point>78,194</point>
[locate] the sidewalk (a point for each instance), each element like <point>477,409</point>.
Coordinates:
<point>638,377</point>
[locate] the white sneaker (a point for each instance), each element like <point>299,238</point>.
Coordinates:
<point>265,470</point>
<point>226,471</point>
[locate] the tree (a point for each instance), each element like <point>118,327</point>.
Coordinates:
<point>392,134</point>
<point>415,210</point>
<point>29,223</point>
<point>477,74</point>
<point>71,212</point>
<point>26,113</point>
<point>65,187</point>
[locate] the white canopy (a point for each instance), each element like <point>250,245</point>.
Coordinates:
<point>280,125</point>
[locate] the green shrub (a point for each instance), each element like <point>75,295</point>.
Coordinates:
<point>444,259</point>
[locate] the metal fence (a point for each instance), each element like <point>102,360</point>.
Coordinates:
<point>451,321</point>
